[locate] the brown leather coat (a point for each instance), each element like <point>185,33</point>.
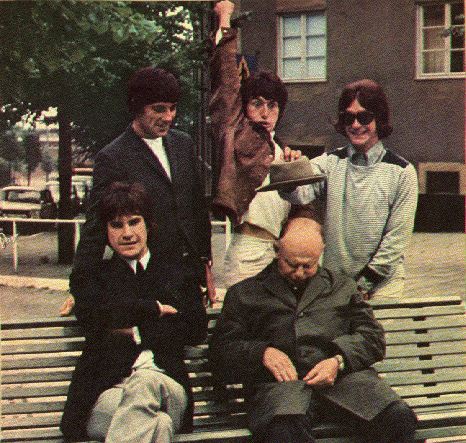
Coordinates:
<point>244,147</point>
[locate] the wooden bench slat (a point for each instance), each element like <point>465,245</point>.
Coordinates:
<point>9,408</point>
<point>46,347</point>
<point>397,325</point>
<point>26,391</point>
<point>395,365</point>
<point>28,362</point>
<point>443,335</point>
<point>442,400</point>
<point>44,332</point>
<point>412,349</point>
<point>37,375</point>
<point>439,388</point>
<point>456,374</point>
<point>429,311</point>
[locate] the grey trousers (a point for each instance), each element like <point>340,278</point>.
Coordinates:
<point>147,407</point>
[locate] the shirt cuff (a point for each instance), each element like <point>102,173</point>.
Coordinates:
<point>136,335</point>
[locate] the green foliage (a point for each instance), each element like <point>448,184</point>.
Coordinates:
<point>77,56</point>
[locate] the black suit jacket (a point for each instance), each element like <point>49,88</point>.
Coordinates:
<point>125,300</point>
<point>183,233</point>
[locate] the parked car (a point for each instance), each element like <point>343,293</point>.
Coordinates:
<point>26,201</point>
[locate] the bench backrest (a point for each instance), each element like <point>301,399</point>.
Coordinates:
<point>425,364</point>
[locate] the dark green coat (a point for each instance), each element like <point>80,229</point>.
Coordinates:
<point>330,318</point>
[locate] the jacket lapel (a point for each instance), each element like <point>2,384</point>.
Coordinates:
<point>277,285</point>
<point>316,286</point>
<point>140,148</point>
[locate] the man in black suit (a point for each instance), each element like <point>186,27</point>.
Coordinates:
<point>163,161</point>
<point>131,384</point>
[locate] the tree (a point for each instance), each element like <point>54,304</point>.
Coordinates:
<point>76,56</point>
<point>48,165</point>
<point>32,152</point>
<point>11,152</point>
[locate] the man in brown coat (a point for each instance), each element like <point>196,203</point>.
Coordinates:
<point>302,341</point>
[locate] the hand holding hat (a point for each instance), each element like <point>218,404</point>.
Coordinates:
<point>286,175</point>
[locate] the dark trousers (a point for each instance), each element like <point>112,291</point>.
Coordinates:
<point>395,424</point>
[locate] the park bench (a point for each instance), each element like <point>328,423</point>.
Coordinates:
<point>425,363</point>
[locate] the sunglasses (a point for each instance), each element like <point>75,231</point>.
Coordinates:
<point>363,117</point>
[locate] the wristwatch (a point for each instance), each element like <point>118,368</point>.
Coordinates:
<point>341,362</point>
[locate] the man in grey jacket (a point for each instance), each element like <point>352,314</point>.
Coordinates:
<point>302,341</point>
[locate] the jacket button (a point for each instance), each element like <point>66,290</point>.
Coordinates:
<point>301,314</point>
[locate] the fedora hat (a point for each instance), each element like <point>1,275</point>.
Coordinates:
<point>290,174</point>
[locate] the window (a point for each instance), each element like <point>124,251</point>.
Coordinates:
<point>440,47</point>
<point>303,47</point>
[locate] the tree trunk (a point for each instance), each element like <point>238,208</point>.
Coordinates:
<point>65,231</point>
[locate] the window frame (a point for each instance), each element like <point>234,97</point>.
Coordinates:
<point>303,35</point>
<point>420,50</point>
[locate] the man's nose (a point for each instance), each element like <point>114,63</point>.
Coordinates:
<point>264,111</point>
<point>127,231</point>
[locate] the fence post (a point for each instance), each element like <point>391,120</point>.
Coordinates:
<point>15,248</point>
<point>227,232</point>
<point>77,234</point>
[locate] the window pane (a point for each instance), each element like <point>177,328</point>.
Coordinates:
<point>316,46</point>
<point>434,15</point>
<point>457,14</point>
<point>434,62</point>
<point>291,26</point>
<point>457,40</point>
<point>292,47</point>
<point>433,39</point>
<point>315,24</point>
<point>292,69</point>
<point>457,61</point>
<point>316,67</point>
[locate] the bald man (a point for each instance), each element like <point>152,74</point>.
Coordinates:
<point>302,341</point>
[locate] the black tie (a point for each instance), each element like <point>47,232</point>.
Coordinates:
<point>139,269</point>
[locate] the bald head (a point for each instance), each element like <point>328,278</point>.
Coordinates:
<point>299,249</point>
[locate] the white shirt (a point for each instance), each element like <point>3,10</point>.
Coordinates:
<point>268,210</point>
<point>156,146</point>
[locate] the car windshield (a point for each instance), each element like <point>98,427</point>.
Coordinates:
<point>26,196</point>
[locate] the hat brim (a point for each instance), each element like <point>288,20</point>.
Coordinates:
<point>291,183</point>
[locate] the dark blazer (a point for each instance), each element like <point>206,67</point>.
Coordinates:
<point>182,237</point>
<point>330,318</point>
<point>125,300</point>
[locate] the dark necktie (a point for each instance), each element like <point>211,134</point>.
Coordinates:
<point>139,269</point>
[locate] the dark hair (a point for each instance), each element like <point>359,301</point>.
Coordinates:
<point>122,198</point>
<point>264,84</point>
<point>151,85</point>
<point>372,97</point>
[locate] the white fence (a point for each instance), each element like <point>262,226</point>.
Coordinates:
<point>7,240</point>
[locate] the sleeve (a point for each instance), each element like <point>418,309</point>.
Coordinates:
<point>225,105</point>
<point>233,354</point>
<point>398,231</point>
<point>365,343</point>
<point>306,194</point>
<point>108,306</point>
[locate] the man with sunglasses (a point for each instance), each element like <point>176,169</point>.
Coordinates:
<point>370,195</point>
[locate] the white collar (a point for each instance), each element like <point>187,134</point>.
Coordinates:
<point>144,260</point>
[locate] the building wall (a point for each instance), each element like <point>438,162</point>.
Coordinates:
<point>367,39</point>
